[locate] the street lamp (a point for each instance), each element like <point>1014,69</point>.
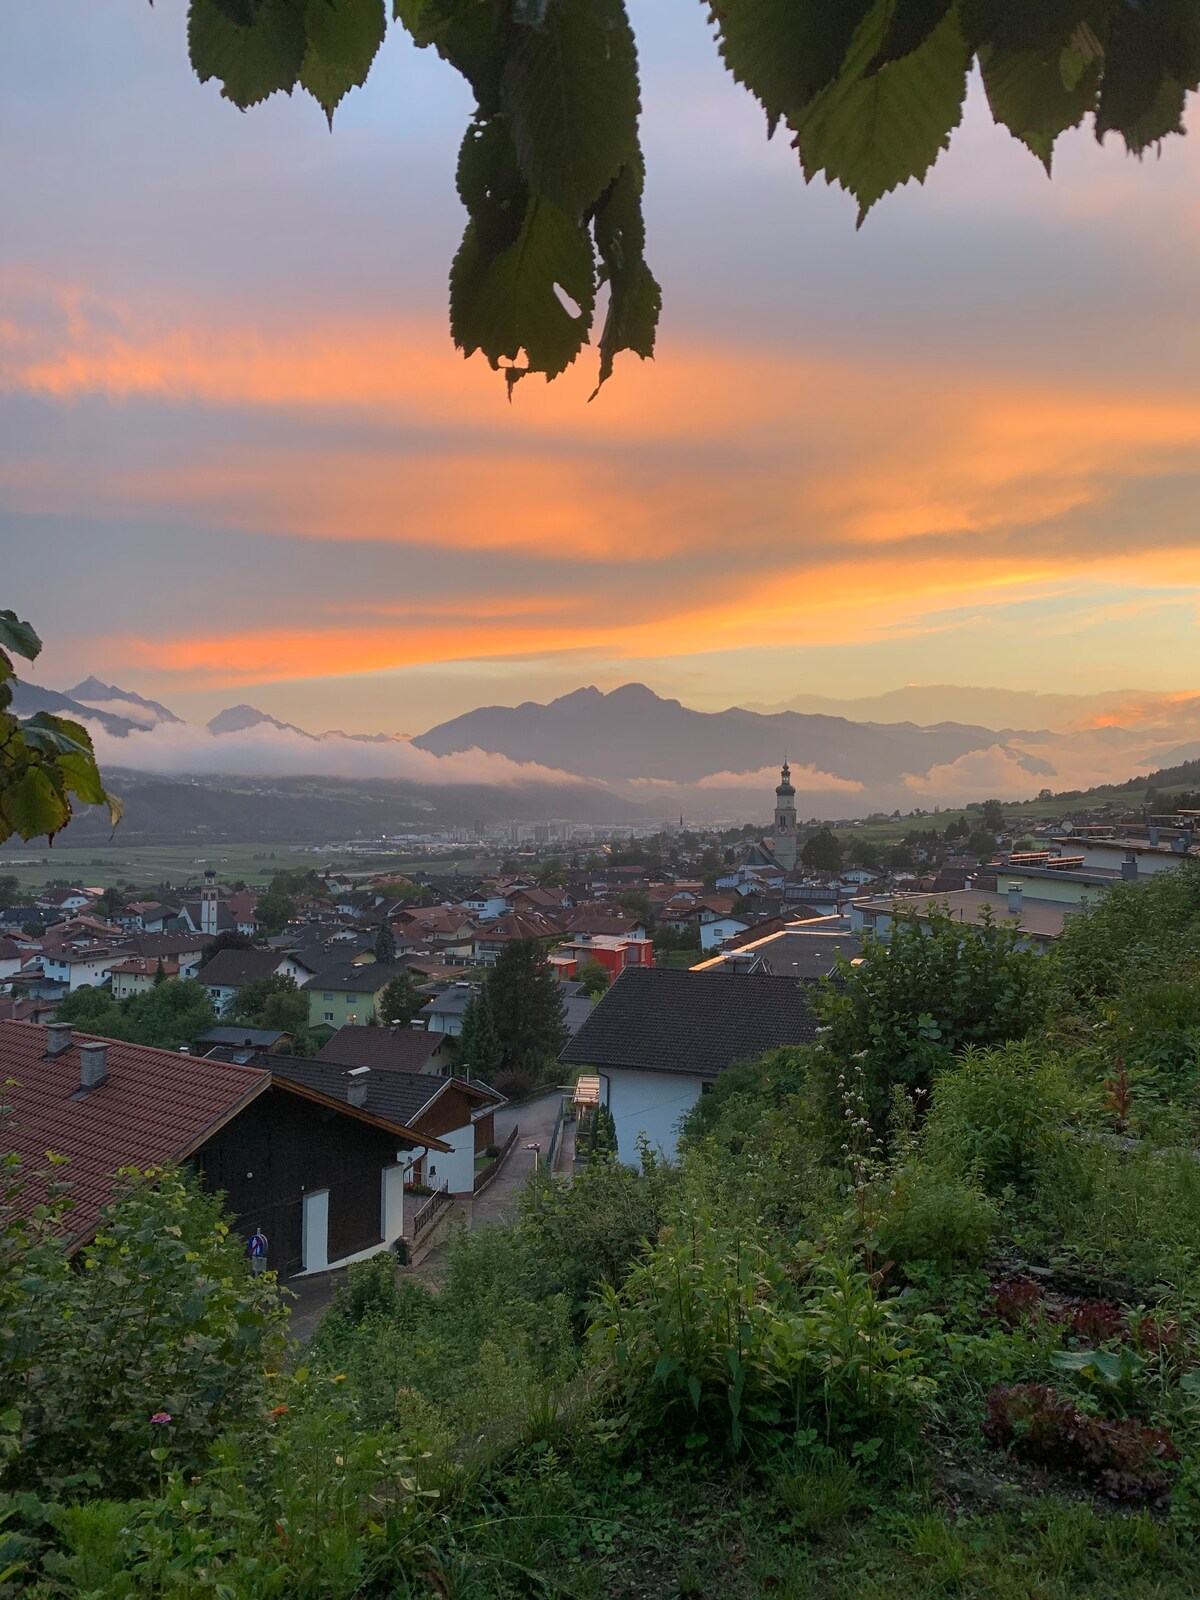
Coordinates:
<point>536,1148</point>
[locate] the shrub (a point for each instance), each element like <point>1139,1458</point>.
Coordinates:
<point>1125,1458</point>
<point>997,1117</point>
<point>712,1337</point>
<point>515,1083</point>
<point>161,1318</point>
<point>931,1218</point>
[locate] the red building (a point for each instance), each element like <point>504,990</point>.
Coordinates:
<point>614,952</point>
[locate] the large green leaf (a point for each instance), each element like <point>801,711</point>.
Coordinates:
<point>1028,95</point>
<point>871,134</point>
<point>635,299</point>
<point>507,303</point>
<point>1152,60</point>
<point>912,21</point>
<point>33,805</point>
<point>785,51</point>
<point>18,637</point>
<point>472,35</point>
<point>343,40</point>
<point>250,62</point>
<point>570,93</point>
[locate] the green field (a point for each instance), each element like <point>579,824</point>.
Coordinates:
<point>151,864</point>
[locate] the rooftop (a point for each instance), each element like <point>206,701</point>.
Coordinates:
<point>658,1019</point>
<point>155,1107</point>
<point>1042,919</point>
<point>402,1049</point>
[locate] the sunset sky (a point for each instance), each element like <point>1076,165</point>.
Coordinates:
<point>240,459</point>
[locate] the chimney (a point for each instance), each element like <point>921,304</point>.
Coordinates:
<point>356,1085</point>
<point>1152,833</point>
<point>1016,896</point>
<point>1129,868</point>
<point>93,1064</point>
<point>58,1038</point>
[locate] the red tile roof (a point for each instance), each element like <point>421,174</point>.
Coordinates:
<point>154,1107</point>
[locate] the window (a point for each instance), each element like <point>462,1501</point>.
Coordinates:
<point>327,997</point>
<point>329,1016</point>
<point>351,999</point>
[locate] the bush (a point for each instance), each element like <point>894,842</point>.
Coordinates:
<point>1125,1458</point>
<point>157,1317</point>
<point>711,1337</point>
<point>927,1217</point>
<point>997,1117</point>
<point>515,1083</point>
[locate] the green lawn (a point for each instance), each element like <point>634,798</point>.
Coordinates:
<point>34,865</point>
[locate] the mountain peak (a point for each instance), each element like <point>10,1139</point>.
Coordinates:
<point>92,692</point>
<point>234,719</point>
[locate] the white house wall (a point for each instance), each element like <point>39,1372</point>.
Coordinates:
<point>455,1169</point>
<point>649,1103</point>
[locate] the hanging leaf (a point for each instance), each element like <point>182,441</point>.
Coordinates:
<point>17,637</point>
<point>508,303</point>
<point>1029,95</point>
<point>871,134</point>
<point>912,22</point>
<point>786,51</point>
<point>570,94</point>
<point>635,299</point>
<point>344,37</point>
<point>250,62</point>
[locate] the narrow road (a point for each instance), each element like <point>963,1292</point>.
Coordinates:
<point>498,1203</point>
<point>536,1118</point>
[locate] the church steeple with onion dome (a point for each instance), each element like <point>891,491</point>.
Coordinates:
<point>784,839</point>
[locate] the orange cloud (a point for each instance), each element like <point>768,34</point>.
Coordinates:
<point>768,498</point>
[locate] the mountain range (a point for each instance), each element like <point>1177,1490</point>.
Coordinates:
<point>627,753</point>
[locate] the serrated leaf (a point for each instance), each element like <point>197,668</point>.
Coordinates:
<point>1029,96</point>
<point>911,24</point>
<point>343,40</point>
<point>1152,57</point>
<point>18,637</point>
<point>506,302</point>
<point>635,299</point>
<point>570,92</point>
<point>470,34</point>
<point>249,62</point>
<point>786,51</point>
<point>32,806</point>
<point>872,134</point>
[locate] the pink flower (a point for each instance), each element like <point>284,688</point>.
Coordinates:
<point>161,1418</point>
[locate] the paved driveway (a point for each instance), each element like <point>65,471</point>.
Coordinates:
<point>536,1118</point>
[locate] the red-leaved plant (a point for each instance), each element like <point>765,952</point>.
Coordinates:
<point>1127,1459</point>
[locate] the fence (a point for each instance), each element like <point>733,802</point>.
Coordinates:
<point>483,1178</point>
<point>426,1213</point>
<point>556,1135</point>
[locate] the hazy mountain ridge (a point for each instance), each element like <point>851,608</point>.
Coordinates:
<point>631,733</point>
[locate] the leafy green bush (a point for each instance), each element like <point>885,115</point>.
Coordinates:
<point>157,1317</point>
<point>998,1115</point>
<point>711,1337</point>
<point>936,988</point>
<point>930,1217</point>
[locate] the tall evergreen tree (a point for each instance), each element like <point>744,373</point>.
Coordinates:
<point>385,944</point>
<point>399,1000</point>
<point>527,1006</point>
<point>479,1047</point>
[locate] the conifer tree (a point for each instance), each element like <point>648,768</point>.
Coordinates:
<point>527,1006</point>
<point>385,944</point>
<point>479,1045</point>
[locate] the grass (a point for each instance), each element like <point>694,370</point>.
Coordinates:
<point>102,867</point>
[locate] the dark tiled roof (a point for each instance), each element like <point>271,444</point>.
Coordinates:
<point>803,955</point>
<point>155,1107</point>
<point>395,1097</point>
<point>176,943</point>
<point>658,1019</point>
<point>233,969</point>
<point>403,1049</point>
<point>258,1038</point>
<point>346,978</point>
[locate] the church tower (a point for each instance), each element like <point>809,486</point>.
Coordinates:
<point>209,904</point>
<point>784,840</point>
